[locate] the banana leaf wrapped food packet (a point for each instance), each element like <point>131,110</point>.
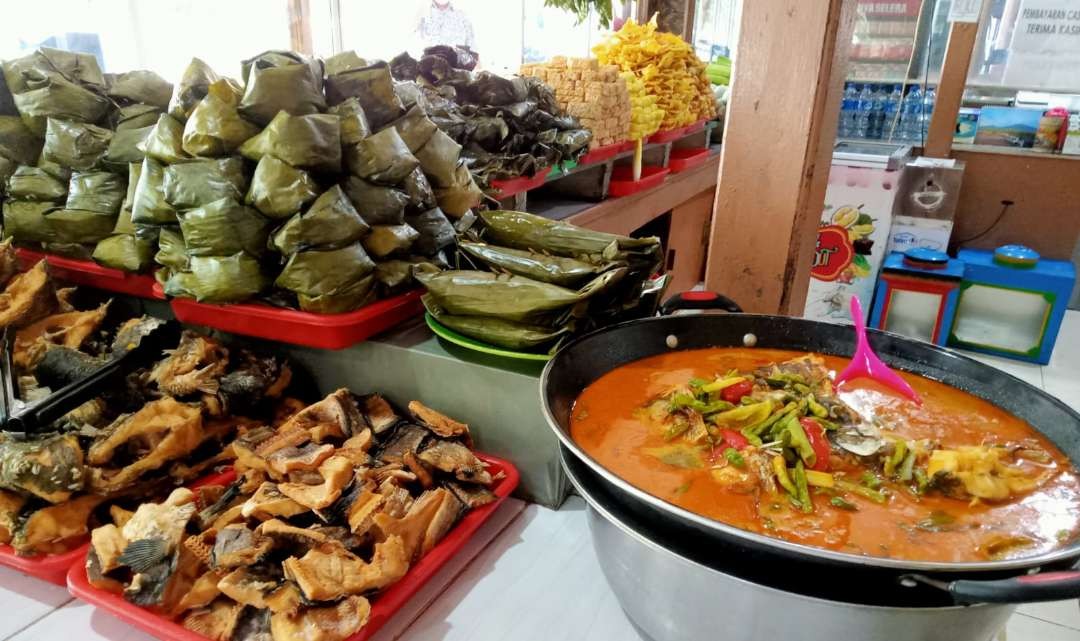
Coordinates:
<point>55,170</point>
<point>458,199</point>
<point>223,228</point>
<point>496,331</point>
<point>381,158</point>
<point>558,270</point>
<point>434,231</point>
<point>292,88</point>
<point>396,273</point>
<point>7,169</point>
<point>282,58</point>
<point>322,275</point>
<point>347,299</point>
<point>439,159</point>
<point>17,142</point>
<point>125,252</point>
<point>330,222</point>
<point>137,116</point>
<point>528,231</point>
<point>97,191</point>
<point>354,124</point>
<point>165,143</point>
<point>418,189</point>
<point>127,145</point>
<point>171,251</point>
<point>36,184</point>
<point>140,86</point>
<point>124,225</point>
<point>377,204</point>
<point>308,142</point>
<point>279,190</point>
<point>200,182</point>
<point>73,66</point>
<point>373,86</point>
<point>218,279</point>
<point>150,206</point>
<point>385,240</point>
<point>193,87</point>
<point>80,226</point>
<point>215,127</point>
<point>25,221</point>
<point>342,62</point>
<point>52,96</point>
<point>514,298</point>
<point>75,145</point>
<point>415,128</point>
<point>78,251</point>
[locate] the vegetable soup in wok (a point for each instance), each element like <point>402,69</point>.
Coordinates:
<point>760,439</point>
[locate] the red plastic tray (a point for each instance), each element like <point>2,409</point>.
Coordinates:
<point>90,274</point>
<point>669,135</point>
<point>623,184</point>
<point>322,331</point>
<point>601,154</point>
<point>54,567</point>
<point>514,186</point>
<point>382,607</point>
<point>683,159</point>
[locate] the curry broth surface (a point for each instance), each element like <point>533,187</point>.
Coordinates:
<point>603,423</point>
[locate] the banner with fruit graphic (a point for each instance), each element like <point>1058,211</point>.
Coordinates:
<point>851,242</point>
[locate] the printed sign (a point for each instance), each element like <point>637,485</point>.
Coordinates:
<point>833,253</point>
<point>965,10</point>
<point>1045,48</point>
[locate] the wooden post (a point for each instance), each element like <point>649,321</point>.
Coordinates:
<point>950,89</point>
<point>781,123</point>
<point>300,26</point>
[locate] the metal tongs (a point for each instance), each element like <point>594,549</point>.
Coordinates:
<point>39,416</point>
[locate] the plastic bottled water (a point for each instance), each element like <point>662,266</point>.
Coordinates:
<point>911,123</point>
<point>864,119</point>
<point>877,116</point>
<point>928,110</point>
<point>848,112</point>
<point>893,105</point>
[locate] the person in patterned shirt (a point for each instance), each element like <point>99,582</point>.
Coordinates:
<point>442,24</point>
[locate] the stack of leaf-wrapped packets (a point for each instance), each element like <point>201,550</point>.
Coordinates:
<point>536,281</point>
<point>69,198</point>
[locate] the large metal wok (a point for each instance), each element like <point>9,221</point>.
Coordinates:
<point>791,566</point>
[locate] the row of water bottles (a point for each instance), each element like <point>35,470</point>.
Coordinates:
<point>872,113</point>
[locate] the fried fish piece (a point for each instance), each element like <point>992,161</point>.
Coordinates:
<point>329,571</point>
<point>290,459</point>
<point>268,502</point>
<point>28,297</point>
<point>425,524</point>
<point>247,586</point>
<point>286,599</point>
<point>438,423</point>
<point>70,330</point>
<point>131,332</point>
<point>237,546</point>
<point>337,473</point>
<point>331,623</point>
<point>216,621</point>
<point>108,544</point>
<point>255,379</point>
<point>196,365</point>
<point>282,532</point>
<point>50,468</point>
<point>335,416</point>
<point>202,592</point>
<point>49,529</point>
<point>379,413</point>
<point>11,504</point>
<point>164,522</point>
<point>407,438</point>
<point>363,509</point>
<point>455,458</point>
<point>9,261</point>
<point>161,431</point>
<point>59,366</point>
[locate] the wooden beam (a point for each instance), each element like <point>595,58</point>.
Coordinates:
<point>781,124</point>
<point>300,26</point>
<point>950,89</point>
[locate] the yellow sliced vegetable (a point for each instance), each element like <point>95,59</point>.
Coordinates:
<point>722,383</point>
<point>745,414</point>
<point>820,479</point>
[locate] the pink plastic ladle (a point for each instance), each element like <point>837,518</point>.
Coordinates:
<point>866,364</point>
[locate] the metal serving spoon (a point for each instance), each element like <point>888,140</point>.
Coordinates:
<point>866,364</point>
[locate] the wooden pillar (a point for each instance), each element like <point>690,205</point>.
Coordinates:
<point>300,26</point>
<point>950,89</point>
<point>781,123</point>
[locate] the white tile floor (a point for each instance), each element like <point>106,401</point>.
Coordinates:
<point>531,575</point>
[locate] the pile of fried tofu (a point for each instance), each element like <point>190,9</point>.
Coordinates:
<point>590,92</point>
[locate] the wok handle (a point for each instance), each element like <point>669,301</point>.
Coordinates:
<point>1029,588</point>
<point>699,300</point>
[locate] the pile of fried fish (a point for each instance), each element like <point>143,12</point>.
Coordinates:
<point>330,505</point>
<point>168,424</point>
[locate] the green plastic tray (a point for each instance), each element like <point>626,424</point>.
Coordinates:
<point>450,335</point>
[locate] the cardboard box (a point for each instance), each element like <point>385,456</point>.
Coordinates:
<point>926,206</point>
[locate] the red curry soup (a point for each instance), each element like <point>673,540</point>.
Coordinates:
<point>760,439</point>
